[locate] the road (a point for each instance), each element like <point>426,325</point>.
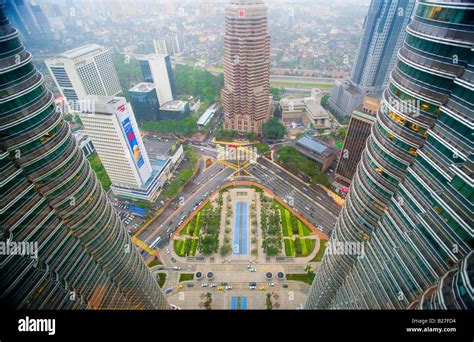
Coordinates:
<point>206,182</point>
<point>308,200</point>
<point>316,206</point>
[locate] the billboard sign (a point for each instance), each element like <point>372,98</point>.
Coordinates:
<point>132,142</point>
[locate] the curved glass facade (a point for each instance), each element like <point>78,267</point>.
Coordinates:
<point>52,203</point>
<point>411,201</point>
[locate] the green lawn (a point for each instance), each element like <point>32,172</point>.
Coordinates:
<point>99,170</point>
<point>155,262</point>
<point>321,251</point>
<point>194,245</point>
<point>309,243</point>
<point>186,277</point>
<point>289,227</point>
<point>301,84</point>
<point>197,227</point>
<point>289,247</point>
<point>303,277</point>
<point>178,246</point>
<point>161,279</point>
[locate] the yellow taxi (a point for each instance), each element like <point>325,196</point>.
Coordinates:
<point>262,288</point>
<point>180,286</point>
<point>220,288</point>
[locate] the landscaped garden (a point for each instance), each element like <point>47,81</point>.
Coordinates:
<point>270,223</point>
<point>201,234</point>
<point>295,233</point>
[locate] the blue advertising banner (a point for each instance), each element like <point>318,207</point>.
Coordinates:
<point>132,142</point>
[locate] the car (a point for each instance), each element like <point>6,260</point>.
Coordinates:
<point>306,208</point>
<point>173,259</point>
<point>167,251</point>
<point>189,285</point>
<point>228,287</point>
<point>249,266</point>
<point>253,269</point>
<point>168,230</point>
<point>213,285</point>
<point>204,285</point>
<point>251,287</point>
<point>220,288</point>
<point>320,228</point>
<point>179,286</point>
<point>271,284</point>
<point>224,283</point>
<point>285,286</point>
<point>168,291</point>
<point>262,288</point>
<point>177,268</point>
<point>174,307</point>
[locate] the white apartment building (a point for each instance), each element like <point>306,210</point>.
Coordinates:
<point>112,127</point>
<point>87,70</point>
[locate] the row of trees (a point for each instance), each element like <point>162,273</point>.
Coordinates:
<point>296,162</point>
<point>271,227</point>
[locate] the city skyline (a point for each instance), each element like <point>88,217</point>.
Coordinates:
<point>237,155</point>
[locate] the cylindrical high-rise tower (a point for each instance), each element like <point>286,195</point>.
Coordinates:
<point>410,203</point>
<point>76,253</point>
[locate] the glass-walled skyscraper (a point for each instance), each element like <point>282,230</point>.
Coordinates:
<point>77,254</point>
<point>382,36</point>
<point>411,201</point>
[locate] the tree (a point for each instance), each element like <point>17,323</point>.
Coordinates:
<point>225,250</point>
<point>277,93</point>
<point>268,301</point>
<point>274,129</point>
<point>208,302</point>
<point>250,136</point>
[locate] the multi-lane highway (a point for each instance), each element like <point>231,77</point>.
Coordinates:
<point>308,200</point>
<point>320,211</point>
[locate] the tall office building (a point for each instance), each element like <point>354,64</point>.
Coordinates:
<point>157,69</point>
<point>87,70</point>
<point>358,131</point>
<point>410,202</point>
<point>111,125</point>
<point>246,93</point>
<point>383,35</point>
<point>29,18</point>
<point>145,103</point>
<point>172,43</point>
<point>78,254</point>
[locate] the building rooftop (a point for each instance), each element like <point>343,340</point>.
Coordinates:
<point>81,51</point>
<point>312,144</point>
<point>157,148</point>
<point>143,87</point>
<point>174,105</point>
<point>204,119</point>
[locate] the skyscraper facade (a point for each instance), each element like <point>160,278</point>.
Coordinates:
<point>145,103</point>
<point>383,35</point>
<point>114,131</point>
<point>358,131</point>
<point>410,202</point>
<point>157,69</point>
<point>87,70</point>
<point>246,93</point>
<point>79,253</point>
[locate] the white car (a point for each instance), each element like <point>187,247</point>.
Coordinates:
<point>253,270</point>
<point>167,251</point>
<point>271,284</point>
<point>177,268</point>
<point>204,285</point>
<point>228,287</point>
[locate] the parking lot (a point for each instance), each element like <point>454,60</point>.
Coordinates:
<point>131,221</point>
